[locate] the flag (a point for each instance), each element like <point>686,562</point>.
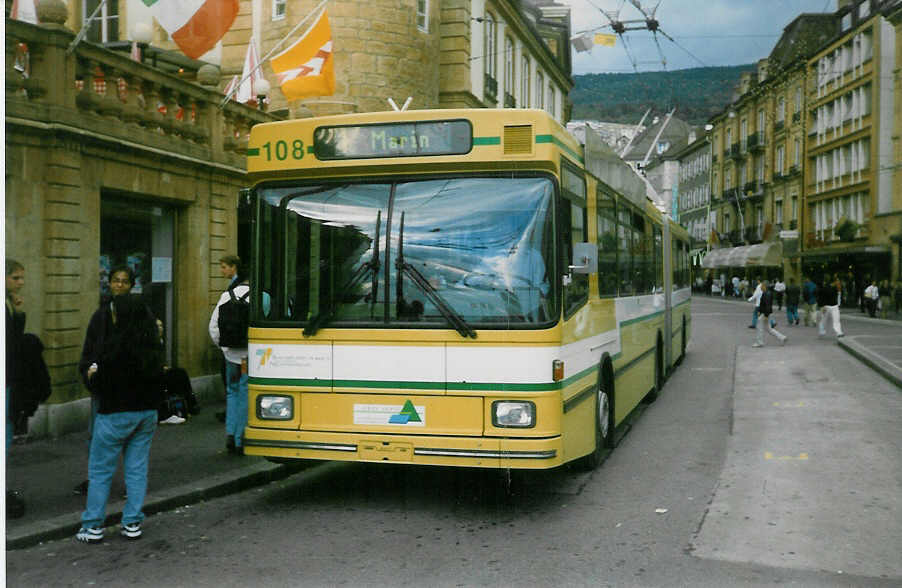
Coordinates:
<point>582,43</point>
<point>306,68</point>
<point>195,25</point>
<point>233,83</point>
<point>250,75</point>
<point>24,10</point>
<point>605,40</point>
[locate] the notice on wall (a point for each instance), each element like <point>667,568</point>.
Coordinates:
<point>161,270</point>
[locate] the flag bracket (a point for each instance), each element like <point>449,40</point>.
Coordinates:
<point>403,108</point>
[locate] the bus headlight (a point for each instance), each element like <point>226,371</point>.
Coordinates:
<point>514,413</point>
<point>275,408</point>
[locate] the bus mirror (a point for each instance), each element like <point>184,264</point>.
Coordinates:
<point>585,259</point>
<point>244,197</point>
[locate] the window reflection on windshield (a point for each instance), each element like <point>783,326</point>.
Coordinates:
<point>484,245</point>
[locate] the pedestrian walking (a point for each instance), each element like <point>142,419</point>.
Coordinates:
<point>735,283</point>
<point>884,302</point>
<point>755,297</point>
<point>829,298</point>
<point>126,378</point>
<point>779,290</point>
<point>235,354</point>
<point>765,306</point>
<point>871,298</point>
<point>793,295</point>
<point>809,299</point>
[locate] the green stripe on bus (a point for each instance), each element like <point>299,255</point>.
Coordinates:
<point>639,319</point>
<point>479,141</point>
<point>251,151</point>
<point>554,140</point>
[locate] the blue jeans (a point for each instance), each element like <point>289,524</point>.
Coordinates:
<point>792,313</point>
<point>755,317</point>
<point>236,402</point>
<point>129,433</point>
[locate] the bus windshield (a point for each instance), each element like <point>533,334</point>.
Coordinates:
<point>458,252</point>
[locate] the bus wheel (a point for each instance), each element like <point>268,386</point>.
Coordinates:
<point>683,346</point>
<point>659,371</point>
<point>604,424</point>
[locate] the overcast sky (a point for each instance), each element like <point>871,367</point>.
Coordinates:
<point>706,32</point>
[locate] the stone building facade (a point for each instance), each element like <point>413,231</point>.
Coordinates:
<point>109,161</point>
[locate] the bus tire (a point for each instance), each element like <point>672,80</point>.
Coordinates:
<point>659,371</point>
<point>683,342</point>
<point>604,419</point>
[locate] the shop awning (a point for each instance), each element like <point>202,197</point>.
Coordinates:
<point>759,255</point>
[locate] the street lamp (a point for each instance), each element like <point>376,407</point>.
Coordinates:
<point>262,88</point>
<point>142,34</point>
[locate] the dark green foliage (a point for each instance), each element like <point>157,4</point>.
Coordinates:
<point>698,94</point>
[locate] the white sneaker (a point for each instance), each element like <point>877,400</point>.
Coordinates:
<point>173,420</point>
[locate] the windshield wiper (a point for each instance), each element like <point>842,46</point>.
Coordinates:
<point>319,321</point>
<point>453,317</point>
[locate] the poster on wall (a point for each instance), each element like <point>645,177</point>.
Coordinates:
<point>105,267</point>
<point>136,262</point>
<point>161,270</point>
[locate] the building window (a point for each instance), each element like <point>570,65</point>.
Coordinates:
<point>509,66</point>
<point>423,15</point>
<point>797,152</point>
<point>780,160</point>
<point>864,9</point>
<point>540,90</point>
<point>491,67</point>
<point>524,82</point>
<point>778,213</point>
<point>552,101</point>
<point>278,9</point>
<point>781,109</point>
<point>105,26</point>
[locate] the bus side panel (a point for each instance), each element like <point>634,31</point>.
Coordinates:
<point>579,417</point>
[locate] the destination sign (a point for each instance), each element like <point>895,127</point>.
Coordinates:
<point>407,139</point>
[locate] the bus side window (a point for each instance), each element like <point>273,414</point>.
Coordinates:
<point>659,260</point>
<point>624,251</point>
<point>575,221</point>
<point>607,245</point>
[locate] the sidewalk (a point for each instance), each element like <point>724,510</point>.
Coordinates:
<point>877,342</point>
<point>188,464</point>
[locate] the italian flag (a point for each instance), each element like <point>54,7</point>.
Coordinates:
<point>195,25</point>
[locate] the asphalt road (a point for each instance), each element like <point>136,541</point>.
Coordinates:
<point>755,467</point>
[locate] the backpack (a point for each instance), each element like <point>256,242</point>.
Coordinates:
<point>233,320</point>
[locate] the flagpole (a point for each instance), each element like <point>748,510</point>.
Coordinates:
<point>84,28</point>
<point>271,51</point>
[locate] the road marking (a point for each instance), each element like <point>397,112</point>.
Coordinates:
<point>800,457</point>
<point>702,369</point>
<point>793,404</point>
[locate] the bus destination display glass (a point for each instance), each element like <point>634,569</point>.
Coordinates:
<point>409,139</point>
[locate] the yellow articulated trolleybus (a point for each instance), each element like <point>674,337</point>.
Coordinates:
<point>453,287</point>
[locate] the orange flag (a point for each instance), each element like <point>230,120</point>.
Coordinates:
<point>306,68</point>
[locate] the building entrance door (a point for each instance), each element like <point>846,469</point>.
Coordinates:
<point>140,235</point>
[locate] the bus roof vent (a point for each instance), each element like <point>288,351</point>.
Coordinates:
<point>518,139</point>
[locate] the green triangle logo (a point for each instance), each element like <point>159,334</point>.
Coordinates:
<point>411,412</point>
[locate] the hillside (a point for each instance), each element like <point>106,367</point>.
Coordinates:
<point>697,93</point>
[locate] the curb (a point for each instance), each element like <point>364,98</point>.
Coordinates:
<point>877,363</point>
<point>163,500</point>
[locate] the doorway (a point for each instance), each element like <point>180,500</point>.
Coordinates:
<point>140,234</point>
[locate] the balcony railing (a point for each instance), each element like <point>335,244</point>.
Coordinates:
<point>756,142</point>
<point>735,237</point>
<point>509,101</point>
<point>796,116</point>
<point>793,170</point>
<point>779,126</point>
<point>736,151</point>
<point>754,234</point>
<point>491,88</point>
<point>108,95</point>
<point>823,237</point>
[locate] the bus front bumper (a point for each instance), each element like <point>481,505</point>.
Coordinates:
<point>482,452</point>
